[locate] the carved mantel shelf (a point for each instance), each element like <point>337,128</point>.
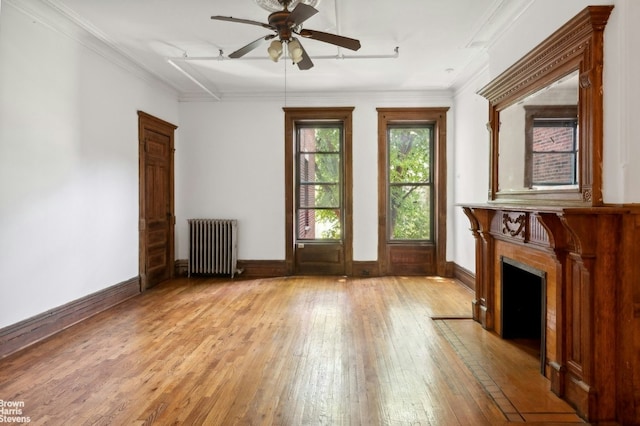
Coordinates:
<point>592,261</point>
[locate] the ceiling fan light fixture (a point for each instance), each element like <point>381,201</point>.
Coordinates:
<point>278,5</point>
<point>295,51</point>
<point>275,50</point>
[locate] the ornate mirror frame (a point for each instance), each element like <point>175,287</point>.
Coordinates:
<point>577,45</point>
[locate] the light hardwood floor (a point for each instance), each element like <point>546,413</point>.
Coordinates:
<point>286,351</point>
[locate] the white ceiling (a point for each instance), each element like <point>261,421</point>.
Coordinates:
<point>439,43</point>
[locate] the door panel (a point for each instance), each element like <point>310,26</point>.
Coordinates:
<point>157,218</point>
<point>411,259</point>
<point>320,258</point>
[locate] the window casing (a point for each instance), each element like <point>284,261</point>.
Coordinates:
<point>414,256</point>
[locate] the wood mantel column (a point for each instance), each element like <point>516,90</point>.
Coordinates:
<point>482,305</point>
<point>558,239</point>
<point>591,284</point>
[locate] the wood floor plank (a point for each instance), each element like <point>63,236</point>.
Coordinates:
<point>277,351</point>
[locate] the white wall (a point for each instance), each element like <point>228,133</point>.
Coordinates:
<point>68,166</point>
<point>230,164</point>
<point>470,163</point>
<point>622,104</point>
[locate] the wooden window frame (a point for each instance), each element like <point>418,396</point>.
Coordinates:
<point>437,116</point>
<point>293,115</point>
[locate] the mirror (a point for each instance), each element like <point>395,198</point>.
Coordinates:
<point>546,119</point>
<point>537,139</point>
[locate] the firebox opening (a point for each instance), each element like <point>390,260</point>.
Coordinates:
<point>523,305</point>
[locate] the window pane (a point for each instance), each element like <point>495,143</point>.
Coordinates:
<point>409,154</point>
<point>327,196</point>
<point>410,212</point>
<point>554,169</point>
<point>554,152</point>
<point>553,138</point>
<point>318,224</point>
<point>319,139</point>
<point>323,168</point>
<point>319,181</point>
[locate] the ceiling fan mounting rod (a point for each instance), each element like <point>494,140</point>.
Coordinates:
<point>285,4</point>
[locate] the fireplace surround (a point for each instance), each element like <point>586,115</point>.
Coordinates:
<point>587,250</point>
<point>591,262</point>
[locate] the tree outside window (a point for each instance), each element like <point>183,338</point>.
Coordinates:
<point>319,182</point>
<point>410,183</point>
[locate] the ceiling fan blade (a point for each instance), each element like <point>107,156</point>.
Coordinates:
<point>301,13</point>
<point>249,47</point>
<point>241,21</point>
<point>306,62</point>
<point>349,43</point>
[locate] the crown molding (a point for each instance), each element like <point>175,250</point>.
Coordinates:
<point>437,97</point>
<point>61,20</point>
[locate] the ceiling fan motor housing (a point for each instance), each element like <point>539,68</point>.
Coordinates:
<point>278,20</point>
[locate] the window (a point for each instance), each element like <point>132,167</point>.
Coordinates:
<point>319,181</point>
<point>551,146</point>
<point>410,182</point>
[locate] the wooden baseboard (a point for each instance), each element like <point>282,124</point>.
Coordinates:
<point>248,268</point>
<point>365,268</point>
<point>27,332</point>
<point>263,268</point>
<point>182,267</point>
<point>449,268</point>
<point>278,268</point>
<point>465,276</point>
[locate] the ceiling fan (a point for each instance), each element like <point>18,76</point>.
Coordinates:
<point>285,24</point>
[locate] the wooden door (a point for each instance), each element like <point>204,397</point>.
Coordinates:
<point>157,219</point>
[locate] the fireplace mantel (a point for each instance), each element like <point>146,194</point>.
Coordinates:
<point>592,261</point>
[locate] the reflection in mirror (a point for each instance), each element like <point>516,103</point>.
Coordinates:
<point>551,146</point>
<point>538,139</point>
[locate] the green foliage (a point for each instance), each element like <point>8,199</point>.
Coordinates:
<point>409,182</point>
<point>328,175</point>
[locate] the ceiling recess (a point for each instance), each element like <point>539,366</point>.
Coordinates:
<point>277,5</point>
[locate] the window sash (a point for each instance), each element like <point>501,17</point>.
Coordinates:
<point>554,152</point>
<point>319,177</point>
<point>410,186</point>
